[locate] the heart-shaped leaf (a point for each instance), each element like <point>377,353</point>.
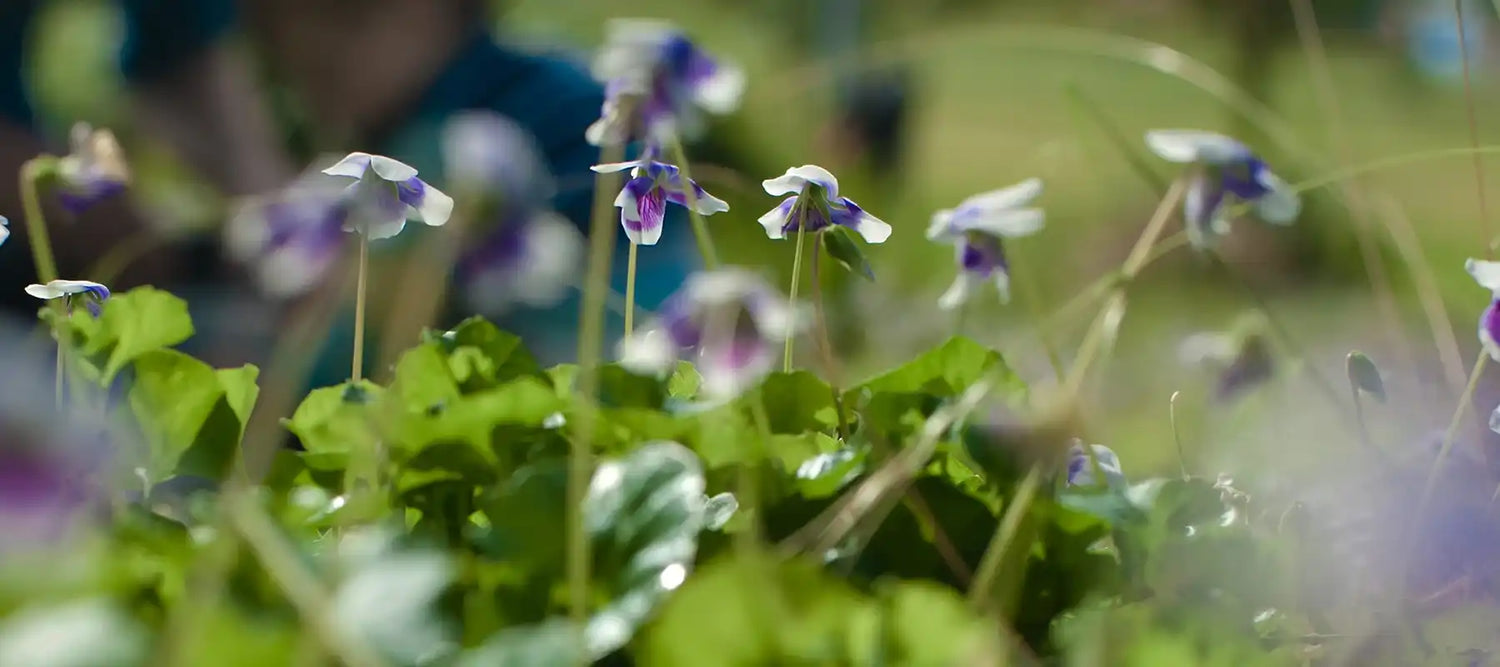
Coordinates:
<point>842,248</point>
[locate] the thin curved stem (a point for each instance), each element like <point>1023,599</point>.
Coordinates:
<point>786,353</point>
<point>630,288</point>
<point>981,593</point>
<point>36,221</point>
<point>690,197</point>
<point>825,342</point>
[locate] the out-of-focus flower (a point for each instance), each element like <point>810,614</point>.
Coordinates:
<point>815,205</point>
<point>528,254</point>
<point>385,194</point>
<point>730,320</point>
<point>290,238</point>
<point>664,77</point>
<point>1225,171</point>
<point>643,200</point>
<point>92,293</point>
<point>1242,357</point>
<point>532,261</point>
<point>93,170</point>
<point>977,228</point>
<point>1081,468</point>
<point>4,229</point>
<point>1487,274</point>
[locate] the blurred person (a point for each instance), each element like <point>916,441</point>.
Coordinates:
<point>189,88</point>
<point>384,76</point>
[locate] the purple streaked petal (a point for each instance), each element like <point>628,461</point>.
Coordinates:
<point>981,254</point>
<point>775,220</point>
<point>1489,329</point>
<point>1243,178</point>
<point>704,203</point>
<point>845,213</point>
<point>676,318</point>
<point>642,207</point>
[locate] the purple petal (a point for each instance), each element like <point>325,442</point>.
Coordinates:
<point>84,194</point>
<point>982,255</point>
<point>411,191</point>
<point>1489,329</point>
<point>1243,178</point>
<point>676,316</point>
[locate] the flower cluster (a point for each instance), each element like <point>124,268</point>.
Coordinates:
<point>656,79</point>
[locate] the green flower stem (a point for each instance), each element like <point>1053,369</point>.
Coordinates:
<point>630,289</point>
<point>357,369</point>
<point>791,334</point>
<point>300,585</point>
<point>590,350</point>
<point>825,342</point>
<point>982,593</point>
<point>748,540</point>
<point>32,173</point>
<point>690,196</point>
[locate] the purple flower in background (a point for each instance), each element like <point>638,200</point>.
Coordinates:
<point>1242,358</point>
<point>1487,274</point>
<point>1227,171</point>
<point>92,171</point>
<point>815,205</point>
<point>290,238</point>
<point>92,293</point>
<point>385,193</point>
<point>643,200</point>
<point>729,320</point>
<point>665,77</point>
<point>977,228</point>
<point>1081,467</point>
<point>488,155</point>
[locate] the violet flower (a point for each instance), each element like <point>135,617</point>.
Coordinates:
<point>977,228</point>
<point>385,194</point>
<point>291,238</point>
<point>815,205</point>
<point>1242,358</point>
<point>1081,468</point>
<point>1487,274</point>
<point>93,294</point>
<point>643,200</point>
<point>730,321</point>
<point>666,79</point>
<point>92,171</point>
<point>1225,171</point>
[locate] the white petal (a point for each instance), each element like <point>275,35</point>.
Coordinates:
<point>721,93</point>
<point>796,178</point>
<point>958,293</point>
<point>42,291</point>
<point>353,165</point>
<point>286,272</point>
<point>650,235</point>
<point>648,351</point>
<point>940,227</point>
<point>1489,345</point>
<point>721,381</point>
<point>725,285</point>
<point>1193,146</point>
<point>1207,347</point>
<point>4,234</point>
<point>436,207</point>
<point>777,318</point>
<point>382,228</point>
<point>391,170</point>
<point>1007,223</point>
<point>1281,205</point>
<point>629,212</point>
<point>1002,285</point>
<point>60,288</point>
<point>483,148</point>
<point>1486,273</point>
<point>1016,195</point>
<point>612,167</point>
<point>707,204</point>
<point>775,219</point>
<point>554,250</point>
<point>873,229</point>
<point>246,232</point>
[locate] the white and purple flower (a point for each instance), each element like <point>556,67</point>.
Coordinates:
<point>93,170</point>
<point>385,194</point>
<point>731,321</point>
<point>643,200</point>
<point>1242,358</point>
<point>1081,467</point>
<point>815,205</point>
<point>489,155</point>
<point>666,77</point>
<point>1487,274</point>
<point>1226,172</point>
<point>93,294</point>
<point>978,228</point>
<point>291,238</point>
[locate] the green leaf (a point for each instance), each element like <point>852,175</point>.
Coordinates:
<point>192,416</point>
<point>551,642</point>
<point>684,382</point>
<point>137,322</point>
<point>85,633</point>
<point>528,517</point>
<point>1365,376</point>
<point>825,474</point>
<point>797,402</point>
<point>718,510</point>
<point>423,379</point>
<point>502,357</point>
<point>842,248</point>
<point>945,370</point>
<point>389,602</point>
<point>923,623</point>
<point>472,419</point>
<point>621,388</point>
<point>334,421</point>
<point>643,514</point>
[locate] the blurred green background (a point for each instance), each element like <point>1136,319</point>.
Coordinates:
<point>1000,91</point>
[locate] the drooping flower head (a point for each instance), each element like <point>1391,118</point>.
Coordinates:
<point>652,68</point>
<point>643,200</point>
<point>730,321</point>
<point>1487,274</point>
<point>1242,357</point>
<point>385,194</point>
<point>1225,172</point>
<point>1081,467</point>
<point>91,293</point>
<point>526,254</point>
<point>815,205</point>
<point>977,228</point>
<point>93,170</point>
